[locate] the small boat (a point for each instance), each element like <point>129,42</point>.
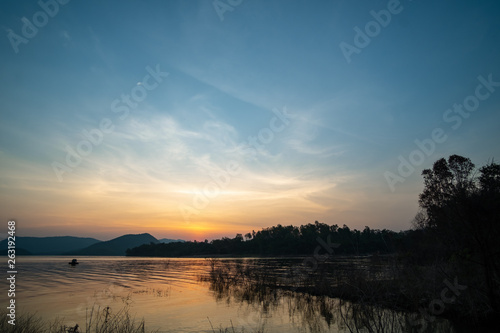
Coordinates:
<point>73,262</point>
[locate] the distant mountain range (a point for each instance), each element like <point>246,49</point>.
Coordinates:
<point>116,246</point>
<point>167,240</point>
<point>49,245</point>
<point>68,245</point>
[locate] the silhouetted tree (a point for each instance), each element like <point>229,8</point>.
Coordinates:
<point>462,211</point>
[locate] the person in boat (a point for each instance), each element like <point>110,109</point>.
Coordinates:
<point>73,262</point>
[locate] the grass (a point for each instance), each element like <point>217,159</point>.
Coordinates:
<point>26,323</point>
<point>98,320</point>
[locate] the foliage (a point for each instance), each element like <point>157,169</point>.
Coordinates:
<point>283,240</point>
<point>99,320</point>
<point>460,211</point>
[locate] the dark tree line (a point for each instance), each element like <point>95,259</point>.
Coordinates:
<point>285,241</point>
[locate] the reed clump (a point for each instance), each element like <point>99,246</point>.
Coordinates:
<point>98,320</point>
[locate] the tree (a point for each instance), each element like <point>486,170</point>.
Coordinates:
<point>461,209</point>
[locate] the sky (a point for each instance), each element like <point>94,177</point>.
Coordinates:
<point>203,119</point>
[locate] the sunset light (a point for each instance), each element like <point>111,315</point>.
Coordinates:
<point>237,166</point>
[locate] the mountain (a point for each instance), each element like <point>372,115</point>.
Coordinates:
<point>168,240</point>
<point>116,246</point>
<point>49,245</point>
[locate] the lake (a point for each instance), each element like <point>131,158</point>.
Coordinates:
<point>171,295</point>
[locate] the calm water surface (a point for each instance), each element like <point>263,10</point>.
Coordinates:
<point>167,293</point>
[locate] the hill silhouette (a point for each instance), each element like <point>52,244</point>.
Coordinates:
<point>115,247</point>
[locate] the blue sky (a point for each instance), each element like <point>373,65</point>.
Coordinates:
<point>349,122</point>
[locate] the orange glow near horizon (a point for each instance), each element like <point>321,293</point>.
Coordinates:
<point>106,207</point>
<point>131,129</point>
